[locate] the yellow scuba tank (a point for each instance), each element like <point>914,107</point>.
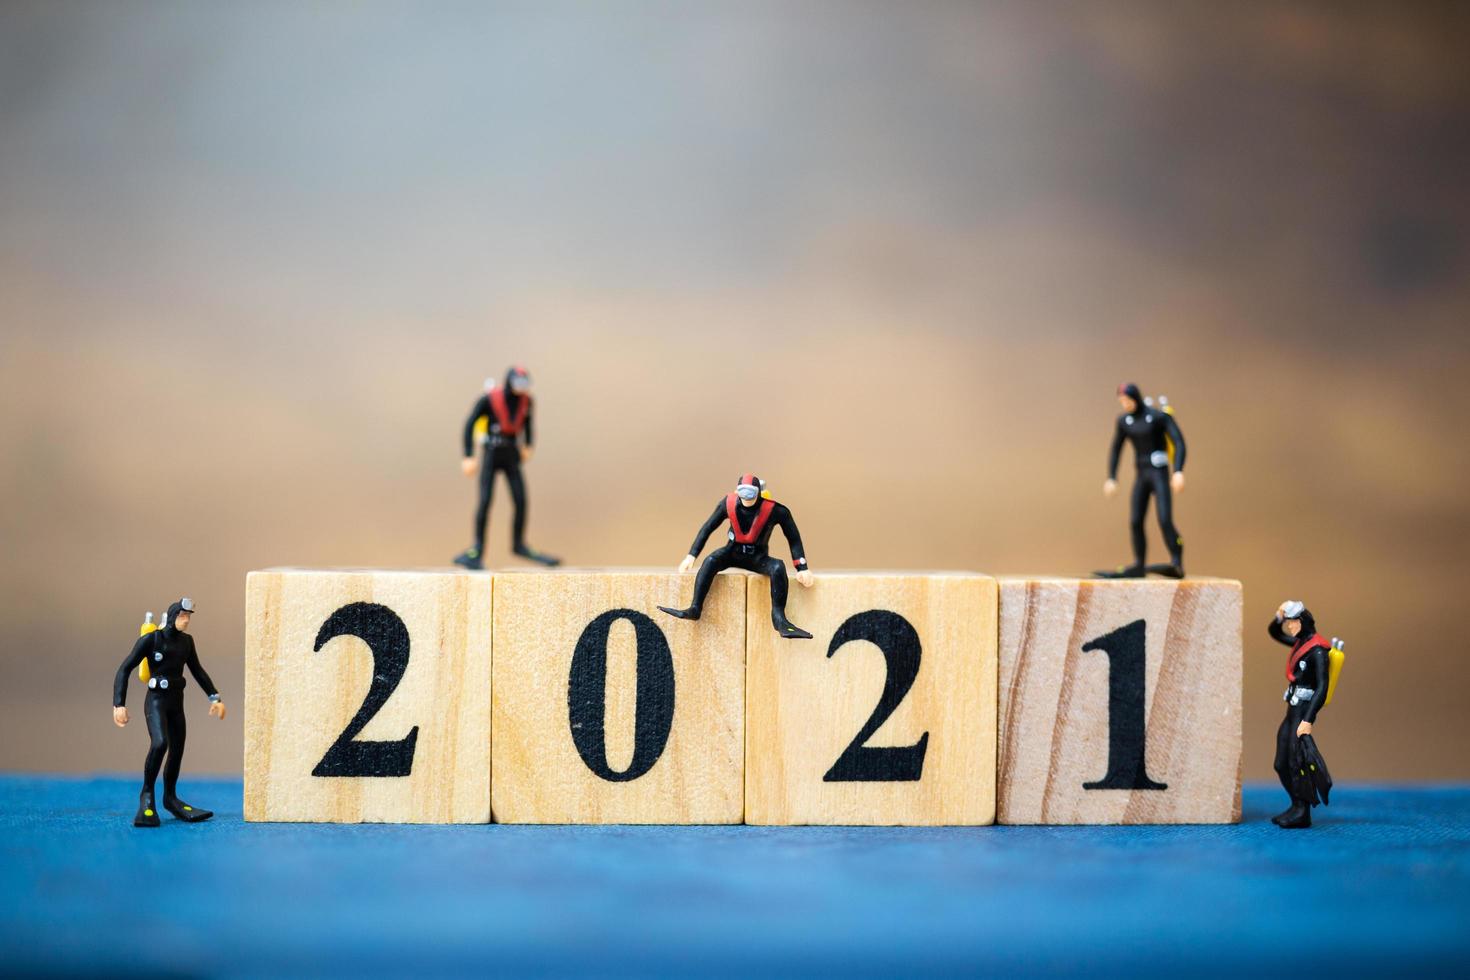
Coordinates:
<point>148,627</point>
<point>482,424</point>
<point>1335,658</point>
<point>1167,409</point>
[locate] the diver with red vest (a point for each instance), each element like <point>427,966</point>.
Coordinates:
<point>752,516</point>
<point>503,414</point>
<point>1158,448</point>
<point>1302,770</point>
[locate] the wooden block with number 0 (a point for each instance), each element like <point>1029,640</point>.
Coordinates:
<point>1120,701</point>
<point>887,716</point>
<point>367,696</point>
<point>609,711</point>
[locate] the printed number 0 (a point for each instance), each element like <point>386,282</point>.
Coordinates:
<point>899,641</point>
<point>1125,648</point>
<point>386,636</point>
<point>653,712</point>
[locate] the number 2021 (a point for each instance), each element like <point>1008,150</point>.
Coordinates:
<point>388,641</point>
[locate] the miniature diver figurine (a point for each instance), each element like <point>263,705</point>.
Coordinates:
<point>166,651</point>
<point>1158,446</point>
<point>752,515</point>
<point>1310,671</point>
<point>503,418</point>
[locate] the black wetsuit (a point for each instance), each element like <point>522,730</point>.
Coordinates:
<point>1147,429</point>
<point>502,454</point>
<point>1304,698</point>
<point>168,652</point>
<point>753,557</point>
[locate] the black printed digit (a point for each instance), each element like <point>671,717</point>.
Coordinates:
<point>653,713</point>
<point>1125,651</point>
<point>386,636</point>
<point>899,641</point>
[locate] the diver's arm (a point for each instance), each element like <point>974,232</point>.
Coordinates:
<point>482,407</point>
<point>793,536</point>
<point>1278,634</point>
<point>197,670</point>
<point>1318,672</point>
<point>1171,427</point>
<point>715,520</point>
<point>526,428</point>
<point>120,682</point>
<point>1114,450</point>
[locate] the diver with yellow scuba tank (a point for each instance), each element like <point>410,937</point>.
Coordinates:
<point>752,516</point>
<point>160,655</point>
<point>501,421</point>
<point>1158,452</point>
<point>1312,670</point>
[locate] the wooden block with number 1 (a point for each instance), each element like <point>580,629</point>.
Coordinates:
<point>1120,701</point>
<point>367,696</point>
<point>887,716</point>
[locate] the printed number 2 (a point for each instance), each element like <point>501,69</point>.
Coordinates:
<point>1125,650</point>
<point>386,636</point>
<point>899,641</point>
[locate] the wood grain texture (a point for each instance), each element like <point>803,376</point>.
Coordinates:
<point>540,776</point>
<point>805,708</point>
<point>298,702</point>
<point>1054,700</point>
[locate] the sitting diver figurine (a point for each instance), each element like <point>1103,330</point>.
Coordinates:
<point>1308,685</point>
<point>1158,445</point>
<point>752,515</point>
<point>503,417</point>
<point>166,651</point>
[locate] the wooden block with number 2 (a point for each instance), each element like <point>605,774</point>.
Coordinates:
<point>887,716</point>
<point>367,696</point>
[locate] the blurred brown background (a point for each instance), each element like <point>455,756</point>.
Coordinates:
<point>256,259</point>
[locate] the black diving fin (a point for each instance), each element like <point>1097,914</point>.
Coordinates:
<point>1316,768</point>
<point>1303,789</point>
<point>1122,571</point>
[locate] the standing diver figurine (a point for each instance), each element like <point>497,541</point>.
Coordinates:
<point>752,515</point>
<point>167,651</point>
<point>503,415</point>
<point>1157,443</point>
<point>1310,674</point>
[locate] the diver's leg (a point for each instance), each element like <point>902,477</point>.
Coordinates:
<point>1299,817</point>
<point>178,731</point>
<point>780,588</point>
<point>1283,762</point>
<point>474,556</point>
<point>1164,511</point>
<point>717,562</point>
<point>518,528</point>
<point>147,815</point>
<point>1137,509</point>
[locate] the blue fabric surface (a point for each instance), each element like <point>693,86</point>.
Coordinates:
<point>1383,880</point>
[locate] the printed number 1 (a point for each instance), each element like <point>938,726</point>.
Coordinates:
<point>1125,650</point>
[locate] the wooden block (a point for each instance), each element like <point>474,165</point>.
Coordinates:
<point>367,696</point>
<point>609,711</point>
<point>887,716</point>
<point>1098,676</point>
